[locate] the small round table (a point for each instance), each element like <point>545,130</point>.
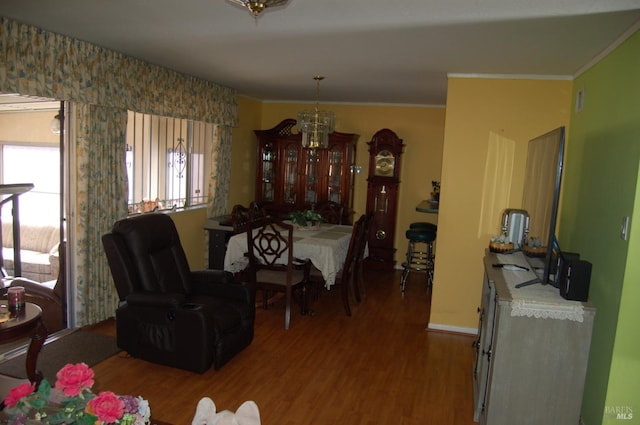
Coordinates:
<point>27,324</point>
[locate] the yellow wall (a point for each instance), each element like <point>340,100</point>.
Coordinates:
<point>454,151</point>
<point>421,128</point>
<point>422,131</point>
<point>478,110</point>
<point>189,224</point>
<point>243,153</point>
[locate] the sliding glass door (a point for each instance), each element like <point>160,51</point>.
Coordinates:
<point>32,152</point>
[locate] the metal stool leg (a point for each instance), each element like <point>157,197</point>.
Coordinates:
<point>407,267</point>
<point>419,259</point>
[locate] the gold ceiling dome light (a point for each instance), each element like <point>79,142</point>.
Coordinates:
<point>256,7</point>
<point>316,125</point>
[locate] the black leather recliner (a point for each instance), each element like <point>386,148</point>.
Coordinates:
<point>169,314</point>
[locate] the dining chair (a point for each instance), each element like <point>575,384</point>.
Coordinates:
<point>330,211</point>
<point>360,249</point>
<point>346,277</point>
<point>240,218</point>
<point>272,266</point>
<point>256,211</point>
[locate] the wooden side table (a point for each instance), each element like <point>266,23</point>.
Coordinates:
<point>27,324</point>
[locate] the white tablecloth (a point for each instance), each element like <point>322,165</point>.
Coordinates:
<point>326,248</point>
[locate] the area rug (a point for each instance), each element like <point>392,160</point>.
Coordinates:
<point>78,346</point>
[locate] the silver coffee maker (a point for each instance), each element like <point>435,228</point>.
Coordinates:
<point>515,224</point>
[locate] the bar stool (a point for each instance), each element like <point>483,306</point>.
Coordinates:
<point>419,260</point>
<point>423,225</point>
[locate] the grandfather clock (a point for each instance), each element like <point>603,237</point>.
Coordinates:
<point>385,149</point>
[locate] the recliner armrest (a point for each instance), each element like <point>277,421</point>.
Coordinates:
<point>219,283</point>
<point>44,290</point>
<point>167,299</point>
<point>232,291</point>
<point>211,276</point>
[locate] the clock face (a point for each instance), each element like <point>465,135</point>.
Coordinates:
<point>385,163</point>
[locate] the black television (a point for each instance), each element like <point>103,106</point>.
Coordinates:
<point>541,199</point>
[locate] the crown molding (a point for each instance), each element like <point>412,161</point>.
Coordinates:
<point>628,33</point>
<point>511,76</point>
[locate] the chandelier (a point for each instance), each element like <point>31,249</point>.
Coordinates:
<point>316,125</point>
<point>256,7</point>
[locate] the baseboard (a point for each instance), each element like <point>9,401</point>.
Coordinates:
<point>454,329</point>
<point>446,328</point>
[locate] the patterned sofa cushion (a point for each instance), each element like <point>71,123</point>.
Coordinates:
<point>38,253</point>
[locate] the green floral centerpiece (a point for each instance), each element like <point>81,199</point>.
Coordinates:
<point>306,220</point>
<point>72,402</point>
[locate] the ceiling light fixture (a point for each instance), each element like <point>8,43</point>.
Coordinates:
<point>316,125</point>
<point>55,124</point>
<point>256,7</point>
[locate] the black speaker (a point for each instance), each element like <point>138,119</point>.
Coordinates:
<point>575,276</point>
<point>558,261</point>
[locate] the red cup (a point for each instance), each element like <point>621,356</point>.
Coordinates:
<point>15,295</point>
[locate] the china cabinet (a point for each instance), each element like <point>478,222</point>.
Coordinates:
<point>290,177</point>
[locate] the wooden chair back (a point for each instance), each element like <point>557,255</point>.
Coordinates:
<point>272,266</point>
<point>270,244</point>
<point>330,211</point>
<point>364,222</point>
<point>240,218</point>
<point>349,271</point>
<point>256,211</point>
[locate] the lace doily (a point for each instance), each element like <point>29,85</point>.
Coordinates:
<point>543,310</point>
<point>537,300</point>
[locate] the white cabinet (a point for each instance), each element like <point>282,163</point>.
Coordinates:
<point>532,351</point>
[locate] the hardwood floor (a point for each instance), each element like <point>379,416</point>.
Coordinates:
<point>380,366</point>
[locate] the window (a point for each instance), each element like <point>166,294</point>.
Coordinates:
<point>39,165</point>
<point>168,162</point>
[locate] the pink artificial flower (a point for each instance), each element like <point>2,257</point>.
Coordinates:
<point>107,407</point>
<point>72,379</point>
<point>17,392</point>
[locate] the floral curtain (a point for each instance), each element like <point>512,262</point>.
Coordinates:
<point>100,199</point>
<point>220,171</point>
<point>105,84</point>
<point>40,63</point>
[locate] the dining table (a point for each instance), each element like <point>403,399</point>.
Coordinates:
<point>326,247</point>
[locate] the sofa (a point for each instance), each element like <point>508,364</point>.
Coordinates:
<point>38,251</point>
<point>49,296</point>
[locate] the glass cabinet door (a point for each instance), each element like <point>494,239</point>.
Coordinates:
<point>268,172</point>
<point>335,187</point>
<point>311,175</point>
<point>290,187</point>
<point>290,177</point>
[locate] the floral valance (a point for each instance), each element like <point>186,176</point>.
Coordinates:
<point>40,63</point>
